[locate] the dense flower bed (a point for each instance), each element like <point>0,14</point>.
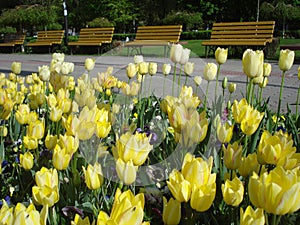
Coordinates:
<point>94,150</point>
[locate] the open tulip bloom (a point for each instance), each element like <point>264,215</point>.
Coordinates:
<point>105,150</point>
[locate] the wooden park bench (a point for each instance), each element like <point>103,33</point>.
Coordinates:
<point>13,41</point>
<point>248,34</point>
<point>49,38</point>
<point>154,36</point>
<point>94,37</point>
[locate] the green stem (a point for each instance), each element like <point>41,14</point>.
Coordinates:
<point>149,91</point>
<point>179,79</point>
<point>217,82</point>
<point>174,75</point>
<point>186,78</point>
<point>279,101</point>
<point>249,91</point>
<point>297,103</point>
<point>164,86</point>
<point>206,92</point>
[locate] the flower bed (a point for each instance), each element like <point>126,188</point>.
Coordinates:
<point>94,150</point>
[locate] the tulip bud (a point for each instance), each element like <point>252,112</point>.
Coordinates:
<point>44,73</point>
<point>16,67</point>
<point>233,191</point>
<point>197,80</point>
<point>93,176</point>
<point>152,68</point>
<point>176,52</point>
<point>185,56</point>
<point>26,160</point>
<point>267,69</point>
<point>89,64</point>
<point>143,68</point>
<point>224,83</point>
<point>171,212</point>
<point>224,132</point>
<point>131,70</point>
<point>61,158</point>
<point>166,69</point>
<point>221,55</point>
<point>210,71</point>
<point>232,155</point>
<point>126,171</point>
<point>189,68</point>
<point>286,59</point>
<point>231,87</point>
<point>252,62</point>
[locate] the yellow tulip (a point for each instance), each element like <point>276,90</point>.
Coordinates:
<point>166,69</point>
<point>85,130</point>
<point>179,187</point>
<point>171,211</point>
<point>233,191</point>
<point>47,177</point>
<point>188,68</point>
<point>61,158</point>
<point>224,132</point>
<point>3,131</point>
<point>44,73</point>
<point>267,69</point>
<point>7,109</point>
<point>197,171</point>
<point>185,56</point>
<point>277,192</point>
<point>286,59</point>
<point>55,114</point>
<point>203,196</point>
<point>50,141</point>
<point>45,195</point>
<point>126,171</point>
<point>221,55</point>
<point>26,160</point>
<point>143,68</point>
<point>6,214</point>
<point>197,80</point>
<point>210,71</point>
<point>135,147</point>
<point>79,221</point>
<point>152,68</point>
<point>251,121</point>
<point>251,217</point>
<point>89,64</point>
<point>131,70</point>
<point>67,68</point>
<point>299,73</point>
<point>93,176</point>
<point>22,114</point>
<point>231,87</point>
<point>24,216</point>
<point>252,63</point>
<point>59,57</point>
<point>232,155</point>
<point>30,143</point>
<point>65,105</point>
<point>16,67</point>
<point>69,142</point>
<point>36,129</point>
<point>176,52</point>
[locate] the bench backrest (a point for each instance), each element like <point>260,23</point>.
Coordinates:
<point>103,35</point>
<point>14,38</point>
<point>243,30</point>
<point>169,33</point>
<point>53,36</point>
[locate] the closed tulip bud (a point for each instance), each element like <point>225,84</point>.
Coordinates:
<point>67,68</point>
<point>221,55</point>
<point>126,171</point>
<point>50,141</point>
<point>232,155</point>
<point>203,196</point>
<point>252,62</point>
<point>89,64</point>
<point>189,68</point>
<point>44,73</point>
<point>231,88</point>
<point>277,192</point>
<point>224,83</point>
<point>171,211</point>
<point>93,176</point>
<point>61,158</point>
<point>224,132</point>
<point>179,187</point>
<point>143,68</point>
<point>166,69</point>
<point>138,59</point>
<point>267,69</point>
<point>197,80</point>
<point>131,70</point>
<point>250,216</point>
<point>16,67</point>
<point>210,71</point>
<point>176,52</point>
<point>233,191</point>
<point>185,56</point>
<point>286,59</point>
<point>26,160</point>
<point>152,68</point>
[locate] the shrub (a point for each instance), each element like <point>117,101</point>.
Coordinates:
<point>100,22</point>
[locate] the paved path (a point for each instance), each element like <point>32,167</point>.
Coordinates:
<point>232,69</point>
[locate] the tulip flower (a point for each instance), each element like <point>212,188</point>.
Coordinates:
<point>89,64</point>
<point>30,143</point>
<point>26,160</point>
<point>176,52</point>
<point>277,192</point>
<point>197,80</point>
<point>251,217</point>
<point>59,57</point>
<point>16,67</point>
<point>44,73</point>
<point>61,158</point>
<point>67,68</point>
<point>166,69</point>
<point>203,196</point>
<point>210,71</point>
<point>233,191</point>
<point>138,58</point>
<point>152,68</point>
<point>50,141</point>
<point>126,171</point>
<point>221,55</point>
<point>22,113</point>
<point>79,221</point>
<point>232,155</point>
<point>143,68</point>
<point>286,59</point>
<point>131,70</point>
<point>179,187</point>
<point>267,69</point>
<point>55,114</point>
<point>171,211</point>
<point>224,132</point>
<point>248,165</point>
<point>36,129</point>
<point>93,176</point>
<point>252,62</point>
<point>251,120</point>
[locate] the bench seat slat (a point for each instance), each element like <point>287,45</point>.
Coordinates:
<point>48,38</point>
